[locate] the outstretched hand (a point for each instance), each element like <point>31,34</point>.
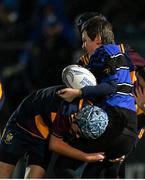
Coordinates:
<point>139,96</point>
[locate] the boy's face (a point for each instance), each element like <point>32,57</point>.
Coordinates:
<point>89,45</point>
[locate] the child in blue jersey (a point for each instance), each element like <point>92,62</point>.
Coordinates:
<point>114,89</point>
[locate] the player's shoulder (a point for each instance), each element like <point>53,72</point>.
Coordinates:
<point>48,90</point>
<point>48,96</point>
<point>111,49</point>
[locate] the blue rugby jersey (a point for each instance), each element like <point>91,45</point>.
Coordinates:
<point>112,72</point>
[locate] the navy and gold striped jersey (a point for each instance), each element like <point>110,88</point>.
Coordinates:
<point>43,111</point>
<point>84,60</point>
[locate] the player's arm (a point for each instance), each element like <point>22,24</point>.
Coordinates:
<point>100,90</point>
<point>59,146</point>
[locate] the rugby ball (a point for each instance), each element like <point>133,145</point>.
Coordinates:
<point>76,76</point>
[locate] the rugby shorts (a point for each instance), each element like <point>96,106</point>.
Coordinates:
<point>15,142</point>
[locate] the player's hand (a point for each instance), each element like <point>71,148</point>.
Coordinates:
<point>139,96</point>
<point>120,159</point>
<point>93,157</point>
<point>69,94</point>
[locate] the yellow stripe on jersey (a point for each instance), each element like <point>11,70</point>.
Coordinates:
<point>84,59</point>
<point>32,134</point>
<point>41,126</point>
<point>1,91</point>
<point>81,104</point>
<point>132,73</point>
<point>141,133</point>
<point>133,76</point>
<point>139,110</point>
<point>53,115</point>
<point>121,46</point>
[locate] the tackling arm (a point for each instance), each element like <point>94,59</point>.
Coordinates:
<point>59,146</point>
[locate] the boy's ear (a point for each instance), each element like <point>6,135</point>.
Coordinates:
<point>98,40</point>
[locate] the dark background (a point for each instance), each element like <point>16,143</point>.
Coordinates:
<point>38,39</point>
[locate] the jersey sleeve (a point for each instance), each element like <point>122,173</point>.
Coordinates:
<point>60,126</point>
<point>100,90</point>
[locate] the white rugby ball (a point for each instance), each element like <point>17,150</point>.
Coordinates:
<point>76,76</point>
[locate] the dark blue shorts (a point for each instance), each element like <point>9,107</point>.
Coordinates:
<point>16,142</point>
